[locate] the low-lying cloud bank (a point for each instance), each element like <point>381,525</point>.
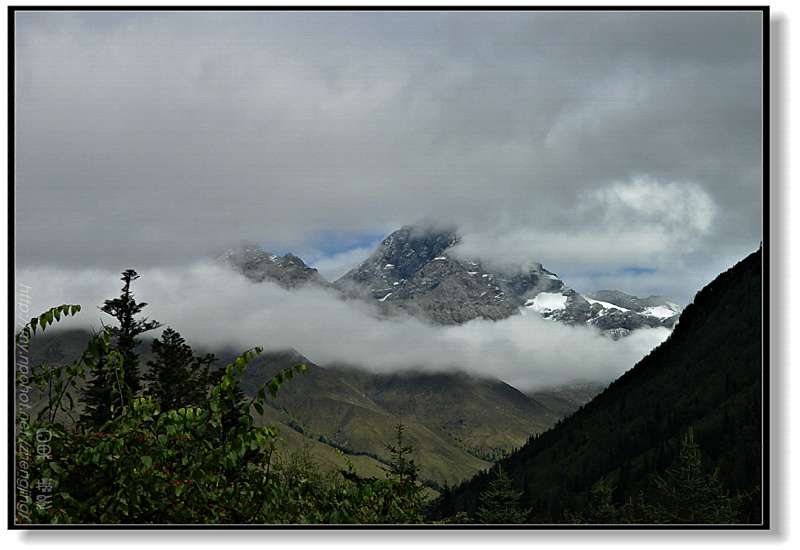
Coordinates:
<point>212,307</point>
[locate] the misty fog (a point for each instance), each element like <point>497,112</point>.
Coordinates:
<point>213,306</point>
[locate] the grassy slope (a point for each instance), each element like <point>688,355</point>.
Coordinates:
<point>481,414</point>
<point>326,404</point>
<point>454,421</point>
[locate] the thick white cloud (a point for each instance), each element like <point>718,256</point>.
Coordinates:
<point>333,267</point>
<point>149,138</point>
<point>644,202</point>
<point>212,306</point>
<point>629,235</point>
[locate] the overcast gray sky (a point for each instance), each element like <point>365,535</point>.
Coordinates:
<point>620,149</point>
<point>603,144</point>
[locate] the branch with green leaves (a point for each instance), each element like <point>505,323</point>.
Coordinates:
<point>23,337</point>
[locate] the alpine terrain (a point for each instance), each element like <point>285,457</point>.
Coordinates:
<point>707,379</point>
<point>288,271</point>
<point>415,270</point>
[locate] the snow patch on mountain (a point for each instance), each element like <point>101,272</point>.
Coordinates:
<point>546,302</point>
<point>662,312</point>
<point>606,305</point>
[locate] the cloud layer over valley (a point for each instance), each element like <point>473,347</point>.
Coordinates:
<point>214,307</point>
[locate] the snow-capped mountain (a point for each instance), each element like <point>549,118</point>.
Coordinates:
<point>616,315</point>
<point>623,312</point>
<point>414,270</point>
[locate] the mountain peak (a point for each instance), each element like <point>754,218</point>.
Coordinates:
<point>409,248</point>
<point>288,271</point>
<point>413,269</point>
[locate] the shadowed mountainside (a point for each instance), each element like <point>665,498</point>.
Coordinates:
<point>708,375</point>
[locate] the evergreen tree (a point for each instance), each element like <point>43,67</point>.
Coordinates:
<point>400,467</point>
<point>443,510</point>
<point>685,495</point>
<point>405,502</point>
<point>500,504</point>
<point>107,391</point>
<point>177,378</point>
<point>124,309</point>
<point>445,505</point>
<point>689,496</point>
<point>602,509</point>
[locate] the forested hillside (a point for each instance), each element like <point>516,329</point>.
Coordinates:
<point>708,376</point>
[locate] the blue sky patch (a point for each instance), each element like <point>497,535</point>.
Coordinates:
<point>633,270</point>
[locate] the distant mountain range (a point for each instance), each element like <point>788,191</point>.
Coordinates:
<point>414,270</point>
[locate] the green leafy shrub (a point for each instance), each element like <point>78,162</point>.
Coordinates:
<point>144,465</point>
<point>189,465</point>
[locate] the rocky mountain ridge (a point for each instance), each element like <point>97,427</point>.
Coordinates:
<point>288,271</point>
<point>415,270</point>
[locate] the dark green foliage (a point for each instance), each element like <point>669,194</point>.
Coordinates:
<point>684,495</point>
<point>302,485</point>
<point>689,495</point>
<point>500,504</point>
<point>152,465</point>
<point>177,378</point>
<point>443,507</point>
<point>105,393</point>
<point>124,309</point>
<point>22,339</point>
<point>308,496</point>
<point>406,504</point>
<point>708,375</point>
<point>116,377</point>
<point>401,467</point>
<point>232,402</point>
<point>149,465</point>
<point>55,382</point>
<point>602,509</point>
<point>234,407</point>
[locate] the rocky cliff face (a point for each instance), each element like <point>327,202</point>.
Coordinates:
<point>288,271</point>
<point>414,270</point>
<point>411,270</point>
